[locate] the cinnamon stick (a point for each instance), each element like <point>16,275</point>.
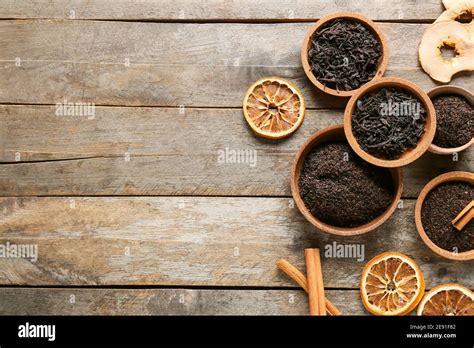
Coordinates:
<point>331,308</point>
<point>464,217</point>
<point>320,282</point>
<point>293,273</point>
<point>312,285</point>
<point>314,278</point>
<point>300,279</point>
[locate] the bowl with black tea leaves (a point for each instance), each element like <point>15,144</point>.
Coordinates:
<point>454,107</point>
<point>390,122</point>
<point>342,52</point>
<point>337,191</point>
<point>443,215</point>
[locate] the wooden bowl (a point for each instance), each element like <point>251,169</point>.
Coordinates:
<point>350,16</point>
<point>448,89</point>
<point>330,134</point>
<point>451,176</point>
<point>410,155</point>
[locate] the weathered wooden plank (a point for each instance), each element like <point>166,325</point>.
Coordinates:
<point>90,301</point>
<point>186,10</point>
<point>202,241</point>
<point>169,64</point>
<point>169,153</point>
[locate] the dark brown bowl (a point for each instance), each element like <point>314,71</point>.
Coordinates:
<point>329,134</point>
<point>366,22</point>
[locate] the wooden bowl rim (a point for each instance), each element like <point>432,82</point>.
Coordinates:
<point>446,177</point>
<point>397,176</point>
<point>373,27</point>
<point>410,155</point>
<point>450,89</point>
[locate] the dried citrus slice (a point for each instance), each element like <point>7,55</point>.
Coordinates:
<point>274,108</point>
<point>391,284</point>
<point>447,299</point>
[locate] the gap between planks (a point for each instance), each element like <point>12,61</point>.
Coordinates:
<point>216,21</point>
<point>166,287</point>
<point>218,10</point>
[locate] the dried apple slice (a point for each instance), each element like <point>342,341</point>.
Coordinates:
<point>446,33</point>
<point>274,108</point>
<point>391,284</point>
<point>452,3</point>
<point>447,299</point>
<point>448,4</point>
<point>457,9</point>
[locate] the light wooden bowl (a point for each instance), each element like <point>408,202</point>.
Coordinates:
<point>448,89</point>
<point>410,155</point>
<point>330,134</point>
<point>350,16</point>
<point>451,176</point>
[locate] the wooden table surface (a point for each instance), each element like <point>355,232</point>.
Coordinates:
<point>131,210</point>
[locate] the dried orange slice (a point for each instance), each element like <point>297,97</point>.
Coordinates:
<point>274,108</point>
<point>447,299</point>
<point>391,284</point>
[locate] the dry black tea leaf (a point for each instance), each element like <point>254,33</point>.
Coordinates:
<point>341,189</point>
<point>388,122</point>
<point>440,207</point>
<point>344,54</point>
<point>454,120</point>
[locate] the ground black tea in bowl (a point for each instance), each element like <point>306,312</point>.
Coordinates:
<point>454,120</point>
<point>388,122</point>
<point>342,190</point>
<point>344,54</point>
<point>440,207</point>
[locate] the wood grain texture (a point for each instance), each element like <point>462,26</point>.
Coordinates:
<point>170,153</point>
<point>189,10</point>
<point>171,64</point>
<point>200,241</point>
<point>177,241</point>
<point>90,301</point>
